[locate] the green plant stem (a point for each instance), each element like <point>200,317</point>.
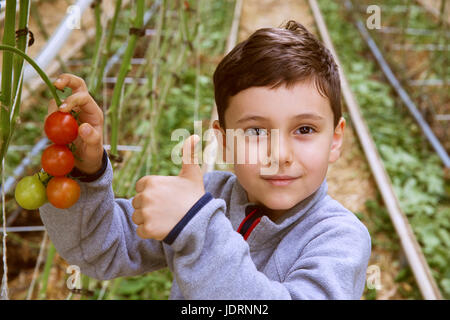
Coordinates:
<point>155,52</point>
<point>184,24</point>
<point>405,23</point>
<point>85,285</point>
<point>107,50</point>
<point>9,39</point>
<point>98,38</point>
<point>17,82</point>
<point>153,55</point>
<point>114,288</point>
<point>442,34</point>
<point>150,142</point>
<point>124,68</point>
<point>21,42</point>
<point>22,45</point>
<point>48,266</point>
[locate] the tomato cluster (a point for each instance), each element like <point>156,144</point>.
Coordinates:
<point>57,161</point>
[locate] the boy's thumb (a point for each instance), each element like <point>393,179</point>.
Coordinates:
<point>88,134</point>
<point>190,169</point>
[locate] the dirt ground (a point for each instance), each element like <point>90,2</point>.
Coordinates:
<point>349,179</point>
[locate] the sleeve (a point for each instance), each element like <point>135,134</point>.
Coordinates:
<point>212,261</point>
<point>97,233</point>
<point>81,176</point>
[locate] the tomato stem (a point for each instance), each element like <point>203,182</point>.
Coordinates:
<point>38,69</point>
<point>44,177</point>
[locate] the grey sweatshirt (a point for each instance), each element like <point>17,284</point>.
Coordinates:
<point>317,250</point>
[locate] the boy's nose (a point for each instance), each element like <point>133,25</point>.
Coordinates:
<point>281,151</point>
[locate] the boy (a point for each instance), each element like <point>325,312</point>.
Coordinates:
<point>241,235</point>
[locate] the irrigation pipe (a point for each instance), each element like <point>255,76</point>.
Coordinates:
<point>23,229</point>
<point>417,262</point>
<point>410,31</point>
<point>436,144</point>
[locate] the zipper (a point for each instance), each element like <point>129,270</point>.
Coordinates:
<point>251,220</point>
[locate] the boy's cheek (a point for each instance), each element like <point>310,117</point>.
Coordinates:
<point>251,152</point>
<point>248,175</point>
<point>314,154</point>
<point>314,162</point>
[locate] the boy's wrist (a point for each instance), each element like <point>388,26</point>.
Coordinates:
<point>173,234</point>
<point>89,177</point>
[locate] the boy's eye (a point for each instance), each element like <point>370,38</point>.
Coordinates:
<point>306,130</point>
<point>255,131</point>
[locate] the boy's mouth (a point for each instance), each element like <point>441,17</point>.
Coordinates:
<point>280,180</point>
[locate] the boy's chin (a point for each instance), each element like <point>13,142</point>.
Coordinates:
<point>278,204</point>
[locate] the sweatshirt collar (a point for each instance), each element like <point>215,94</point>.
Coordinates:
<point>268,231</point>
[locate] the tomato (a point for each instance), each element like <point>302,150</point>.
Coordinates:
<point>57,160</point>
<point>30,193</point>
<point>63,192</point>
<point>61,127</point>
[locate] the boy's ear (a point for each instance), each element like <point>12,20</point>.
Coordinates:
<point>338,138</point>
<point>221,138</point>
<point>216,126</point>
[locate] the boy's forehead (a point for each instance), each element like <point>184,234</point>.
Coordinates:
<point>279,103</point>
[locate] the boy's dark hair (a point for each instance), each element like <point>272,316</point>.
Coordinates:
<point>273,57</point>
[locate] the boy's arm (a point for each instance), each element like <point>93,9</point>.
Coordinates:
<point>97,233</point>
<point>212,261</point>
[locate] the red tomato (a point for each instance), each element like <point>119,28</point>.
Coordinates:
<point>57,160</point>
<point>61,127</point>
<point>63,192</point>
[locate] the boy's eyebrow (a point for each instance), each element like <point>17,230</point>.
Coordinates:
<point>311,116</point>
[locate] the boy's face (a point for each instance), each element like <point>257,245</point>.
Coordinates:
<point>307,142</point>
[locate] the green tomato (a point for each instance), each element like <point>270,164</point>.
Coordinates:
<point>30,193</point>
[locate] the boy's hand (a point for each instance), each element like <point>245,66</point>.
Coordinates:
<point>161,202</point>
<point>89,144</point>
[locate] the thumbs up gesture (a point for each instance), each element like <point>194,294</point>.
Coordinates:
<point>161,201</point>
